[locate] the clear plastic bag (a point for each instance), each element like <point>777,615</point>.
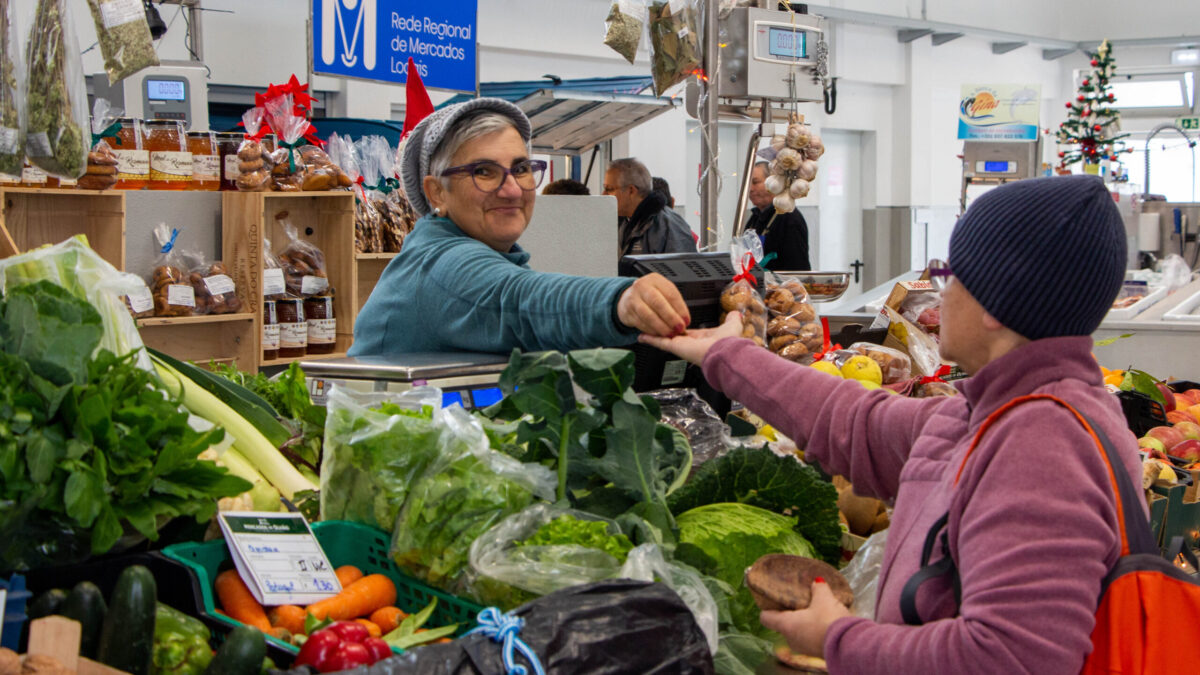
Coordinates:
<point>169,280</point>
<point>741,295</point>
<point>674,42</point>
<point>376,445</point>
<point>12,99</point>
<point>56,98</point>
<point>460,495</point>
<point>102,161</point>
<point>695,419</point>
<point>863,574</point>
<point>215,290</point>
<point>505,568</point>
<point>371,225</point>
<point>1175,271</point>
<point>646,563</point>
<point>289,167</point>
<point>303,263</point>
<point>124,37</point>
<point>320,172</point>
<point>793,329</point>
<point>254,165</point>
<point>895,365</point>
<point>624,26</point>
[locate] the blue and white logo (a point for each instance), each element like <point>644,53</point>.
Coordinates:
<point>373,40</point>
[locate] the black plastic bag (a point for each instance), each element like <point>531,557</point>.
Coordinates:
<point>609,627</point>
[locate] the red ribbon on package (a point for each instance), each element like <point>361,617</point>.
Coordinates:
<point>825,347</point>
<point>746,273</point>
<point>937,377</point>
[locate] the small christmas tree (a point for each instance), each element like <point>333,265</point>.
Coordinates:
<point>1092,129</point>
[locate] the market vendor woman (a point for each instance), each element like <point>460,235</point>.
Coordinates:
<point>461,282</point>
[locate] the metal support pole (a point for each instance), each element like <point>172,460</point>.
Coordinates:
<point>197,30</point>
<point>748,169</point>
<point>708,127</point>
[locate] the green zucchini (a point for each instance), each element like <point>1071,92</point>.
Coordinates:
<point>86,605</point>
<point>127,637</point>
<point>242,654</point>
<point>50,602</point>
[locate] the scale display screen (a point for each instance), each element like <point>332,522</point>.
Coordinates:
<point>786,42</point>
<point>166,90</point>
<point>996,167</point>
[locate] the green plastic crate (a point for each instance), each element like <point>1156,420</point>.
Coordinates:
<point>345,543</point>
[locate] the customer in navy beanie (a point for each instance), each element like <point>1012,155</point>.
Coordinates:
<point>1045,257</point>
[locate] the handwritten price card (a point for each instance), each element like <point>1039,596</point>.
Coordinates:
<point>279,558</point>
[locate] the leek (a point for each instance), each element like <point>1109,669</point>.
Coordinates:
<point>248,441</point>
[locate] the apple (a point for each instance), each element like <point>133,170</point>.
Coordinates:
<point>1181,402</point>
<point>1193,394</point>
<point>1176,416</point>
<point>1169,436</point>
<point>1188,451</point>
<point>1192,410</point>
<point>1168,395</point>
<point>1190,430</point>
<point>1151,443</point>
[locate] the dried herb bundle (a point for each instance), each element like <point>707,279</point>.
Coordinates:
<point>624,28</point>
<point>57,100</point>
<point>674,42</point>
<point>12,144</point>
<point>124,37</point>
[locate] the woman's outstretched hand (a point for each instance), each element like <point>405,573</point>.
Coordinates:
<point>695,343</point>
<point>653,305</point>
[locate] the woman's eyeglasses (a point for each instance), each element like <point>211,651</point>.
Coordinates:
<point>939,274</point>
<point>489,176</point>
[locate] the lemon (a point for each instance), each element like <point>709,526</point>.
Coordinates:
<point>862,368</point>
<point>827,367</point>
<point>868,384</point>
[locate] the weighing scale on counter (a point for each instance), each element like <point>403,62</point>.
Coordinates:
<point>467,378</point>
<point>990,164</point>
<point>175,90</point>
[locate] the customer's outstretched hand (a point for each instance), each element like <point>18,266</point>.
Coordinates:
<point>694,344</point>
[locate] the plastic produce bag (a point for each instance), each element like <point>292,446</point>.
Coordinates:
<point>460,495</point>
<point>1175,271</point>
<point>893,364</point>
<point>506,565</point>
<point>646,563</point>
<point>102,161</point>
<point>624,26</point>
<point>56,98</point>
<point>169,281</point>
<point>707,434</point>
<point>674,42</point>
<point>611,627</point>
<point>124,37</point>
<point>376,444</point>
<point>741,294</point>
<point>12,81</point>
<point>863,574</point>
<point>793,330</point>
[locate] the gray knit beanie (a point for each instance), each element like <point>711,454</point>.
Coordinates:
<point>1044,256</point>
<point>423,141</point>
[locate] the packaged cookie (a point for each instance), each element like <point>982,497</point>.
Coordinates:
<point>140,302</point>
<point>371,222</point>
<point>290,166</point>
<point>303,264</point>
<point>254,172</point>
<point>101,173</point>
<point>215,290</point>
<point>793,328</point>
<point>169,284</point>
<point>895,365</point>
<point>741,295</point>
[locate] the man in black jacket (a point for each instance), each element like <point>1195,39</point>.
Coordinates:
<point>646,224</point>
<point>784,234</point>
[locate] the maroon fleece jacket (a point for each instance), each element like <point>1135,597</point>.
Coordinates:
<point>1032,519</point>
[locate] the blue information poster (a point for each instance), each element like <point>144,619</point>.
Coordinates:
<point>373,39</point>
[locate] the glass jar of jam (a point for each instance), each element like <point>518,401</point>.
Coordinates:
<point>270,336</point>
<point>170,161</point>
<point>228,144</point>
<point>206,160</point>
<point>293,330</point>
<point>322,326</point>
<point>133,159</point>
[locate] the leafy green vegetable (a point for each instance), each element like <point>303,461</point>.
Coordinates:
<point>587,533</point>
<point>759,477</point>
<point>405,636</point>
<point>89,446</point>
<point>1143,383</point>
<point>724,539</point>
<point>286,396</point>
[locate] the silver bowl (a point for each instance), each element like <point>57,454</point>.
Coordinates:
<point>821,286</point>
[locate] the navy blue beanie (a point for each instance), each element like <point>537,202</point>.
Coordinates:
<point>1044,256</point>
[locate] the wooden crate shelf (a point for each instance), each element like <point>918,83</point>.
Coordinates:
<point>339,351</point>
<point>32,217</point>
<point>152,321</point>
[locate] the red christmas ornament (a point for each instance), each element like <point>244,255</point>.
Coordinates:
<point>1086,81</point>
<point>1112,97</point>
<point>1095,63</point>
<point>1061,153</point>
<point>1113,158</point>
<point>1068,104</point>
<point>1079,98</point>
<point>1097,127</point>
<point>1087,111</point>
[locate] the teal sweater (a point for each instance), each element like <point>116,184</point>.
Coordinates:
<point>446,291</point>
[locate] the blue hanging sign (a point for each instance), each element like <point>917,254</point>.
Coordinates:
<point>373,39</point>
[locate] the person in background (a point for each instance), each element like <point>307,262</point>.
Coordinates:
<point>645,223</point>
<point>661,185</point>
<point>1030,518</point>
<point>462,283</point>
<point>566,186</point>
<point>784,234</point>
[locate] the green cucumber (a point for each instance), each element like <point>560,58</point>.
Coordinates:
<point>50,602</point>
<point>241,654</point>
<point>127,638</point>
<point>86,605</point>
<point>246,403</point>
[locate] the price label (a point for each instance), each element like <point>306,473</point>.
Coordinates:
<point>310,285</point>
<point>273,281</point>
<point>181,295</point>
<point>219,284</point>
<point>141,300</point>
<point>278,557</point>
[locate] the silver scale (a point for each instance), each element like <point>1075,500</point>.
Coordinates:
<point>467,378</point>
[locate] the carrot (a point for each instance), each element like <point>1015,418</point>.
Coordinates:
<point>281,633</point>
<point>238,603</point>
<point>290,617</point>
<point>388,618</point>
<point>358,599</point>
<point>348,574</point>
<point>373,629</point>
